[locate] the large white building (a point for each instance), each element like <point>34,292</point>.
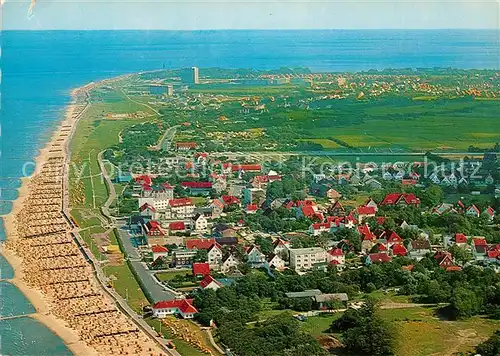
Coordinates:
<point>303,259</point>
<point>182,208</point>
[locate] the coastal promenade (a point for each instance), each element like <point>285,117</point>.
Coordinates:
<point>98,272</point>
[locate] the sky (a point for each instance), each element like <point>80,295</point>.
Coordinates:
<point>250,14</point>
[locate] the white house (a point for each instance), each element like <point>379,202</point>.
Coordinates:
<point>228,263</point>
<point>200,222</point>
<point>276,262</point>
<point>210,282</point>
<point>159,251</point>
<point>417,249</point>
<point>181,208</point>
<point>306,258</point>
<point>281,246</point>
<point>182,307</point>
<point>317,229</point>
<point>255,255</point>
<point>214,256</point>
<point>336,255</point>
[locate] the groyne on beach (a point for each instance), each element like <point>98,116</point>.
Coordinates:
<point>50,268</point>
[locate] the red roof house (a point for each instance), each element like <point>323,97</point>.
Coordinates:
<point>158,251</point>
<point>180,202</point>
<point>153,228</point>
<point>400,199</point>
<point>144,179</point>
<point>392,237</point>
<point>251,208</point>
<point>380,257</point>
<point>366,210</point>
<point>246,167</point>
<point>147,207</point>
<point>201,269</point>
<point>186,145</point>
<point>473,211</point>
<point>199,244</point>
<point>459,239</point>
<point>210,283</point>
<point>197,185</point>
<point>478,241</point>
<point>399,250</point>
<point>177,226</point>
<point>183,307</point>
<point>230,200</point>
<point>365,232</point>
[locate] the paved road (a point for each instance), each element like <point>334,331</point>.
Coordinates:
<point>166,139</point>
<point>157,291</point>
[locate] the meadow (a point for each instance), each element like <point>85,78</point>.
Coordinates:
<point>389,122</point>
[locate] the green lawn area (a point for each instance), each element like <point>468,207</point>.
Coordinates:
<point>181,346</point>
<point>126,285</point>
<point>326,143</point>
<point>422,333</point>
<point>168,276</point>
<point>83,220</point>
<point>87,237</point>
<point>95,133</point>
<point>317,325</point>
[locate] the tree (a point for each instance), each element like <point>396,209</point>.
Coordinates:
<point>389,224</point>
<point>375,337</point>
<point>461,254</point>
<point>438,293</point>
<point>364,332</point>
<point>275,190</point>
<point>201,256</point>
<point>432,195</point>
<point>464,303</point>
<point>265,244</point>
<point>490,347</point>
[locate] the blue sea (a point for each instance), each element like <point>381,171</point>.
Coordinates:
<point>40,68</point>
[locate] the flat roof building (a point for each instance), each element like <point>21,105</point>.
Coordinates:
<point>190,75</point>
<point>303,259</point>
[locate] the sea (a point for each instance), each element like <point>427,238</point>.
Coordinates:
<point>39,68</point>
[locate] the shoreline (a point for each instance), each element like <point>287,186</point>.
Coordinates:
<point>49,267</point>
<point>42,306</point>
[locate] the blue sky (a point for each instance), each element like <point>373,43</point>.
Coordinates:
<point>236,14</point>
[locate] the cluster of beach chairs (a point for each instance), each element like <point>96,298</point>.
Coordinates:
<point>53,264</point>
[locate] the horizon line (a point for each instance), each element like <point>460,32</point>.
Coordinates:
<point>255,29</point>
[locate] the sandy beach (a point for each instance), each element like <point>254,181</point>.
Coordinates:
<point>50,269</point>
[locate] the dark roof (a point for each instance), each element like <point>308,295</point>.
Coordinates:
<point>137,219</point>
<point>227,240</point>
<point>420,245</point>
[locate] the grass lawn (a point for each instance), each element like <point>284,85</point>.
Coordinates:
<point>181,346</point>
<point>168,276</point>
<point>388,297</point>
<point>317,325</point>
<point>126,285</point>
<point>84,221</point>
<point>326,143</point>
<point>87,237</point>
<point>422,333</point>
<point>199,201</point>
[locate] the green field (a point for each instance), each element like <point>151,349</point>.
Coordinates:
<point>126,285</point>
<point>382,123</point>
<point>422,333</point>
